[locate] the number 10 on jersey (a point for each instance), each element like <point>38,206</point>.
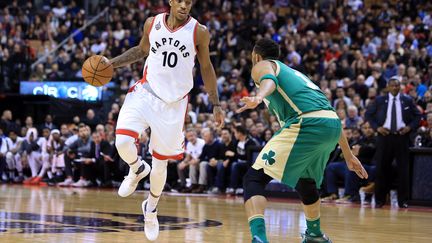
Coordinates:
<point>170,59</point>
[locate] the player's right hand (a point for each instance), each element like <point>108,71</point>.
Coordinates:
<point>354,164</point>
<point>249,103</point>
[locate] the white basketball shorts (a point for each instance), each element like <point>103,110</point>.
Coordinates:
<point>142,109</point>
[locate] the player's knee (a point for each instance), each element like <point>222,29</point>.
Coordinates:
<point>159,166</point>
<point>123,143</point>
<point>252,185</point>
<point>307,190</point>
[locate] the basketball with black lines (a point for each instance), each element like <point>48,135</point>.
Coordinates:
<point>97,70</point>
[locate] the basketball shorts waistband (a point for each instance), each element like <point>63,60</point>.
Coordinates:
<point>320,114</point>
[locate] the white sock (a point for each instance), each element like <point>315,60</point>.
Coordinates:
<point>158,176</point>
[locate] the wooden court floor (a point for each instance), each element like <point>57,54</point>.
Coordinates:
<point>46,214</point>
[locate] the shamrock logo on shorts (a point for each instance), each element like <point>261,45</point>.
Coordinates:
<point>268,157</point>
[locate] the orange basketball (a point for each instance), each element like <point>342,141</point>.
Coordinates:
<point>97,70</point>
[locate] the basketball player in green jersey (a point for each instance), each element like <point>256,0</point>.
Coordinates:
<point>297,154</point>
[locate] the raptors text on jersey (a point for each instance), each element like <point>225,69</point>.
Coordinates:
<point>168,68</point>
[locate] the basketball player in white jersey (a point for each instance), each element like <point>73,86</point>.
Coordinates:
<point>159,100</point>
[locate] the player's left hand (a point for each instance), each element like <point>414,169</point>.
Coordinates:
<point>249,103</point>
<point>219,116</point>
<point>354,165</point>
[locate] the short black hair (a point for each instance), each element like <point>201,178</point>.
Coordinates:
<point>241,129</point>
<point>267,48</point>
<point>226,129</point>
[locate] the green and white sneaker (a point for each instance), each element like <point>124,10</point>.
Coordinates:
<point>307,238</point>
<point>256,239</point>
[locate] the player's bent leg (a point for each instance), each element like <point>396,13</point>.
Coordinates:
<point>158,177</point>
<point>309,195</point>
<point>254,183</point>
<point>138,169</point>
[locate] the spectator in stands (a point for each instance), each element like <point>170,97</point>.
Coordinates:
<point>391,68</point>
<point>193,151</point>
<point>364,149</point>
<point>340,94</point>
<point>101,161</point>
<point>210,154</point>
<point>91,119</point>
<point>77,154</point>
<point>360,87</point>
<point>13,157</point>
<point>28,123</point>
<point>217,170</point>
<point>336,164</point>
<point>266,136</point>
<point>6,122</point>
<point>241,163</point>
<point>48,123</point>
<point>394,116</point>
<point>353,119</point>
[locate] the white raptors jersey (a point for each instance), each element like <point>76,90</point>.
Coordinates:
<point>171,59</point>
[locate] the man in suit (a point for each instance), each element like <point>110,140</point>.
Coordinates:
<point>101,152</point>
<point>394,116</point>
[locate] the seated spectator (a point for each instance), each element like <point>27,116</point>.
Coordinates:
<point>77,155</point>
<point>353,120</point>
<point>209,156</point>
<point>364,149</point>
<point>13,157</point>
<point>193,151</point>
<point>218,168</point>
<point>240,164</point>
<point>340,96</point>
<point>103,163</point>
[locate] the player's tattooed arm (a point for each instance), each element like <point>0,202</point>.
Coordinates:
<point>202,36</point>
<point>136,53</point>
<point>132,55</point>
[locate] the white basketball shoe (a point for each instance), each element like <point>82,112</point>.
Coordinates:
<point>130,182</point>
<point>151,223</point>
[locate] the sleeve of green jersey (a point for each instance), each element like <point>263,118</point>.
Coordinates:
<point>272,77</point>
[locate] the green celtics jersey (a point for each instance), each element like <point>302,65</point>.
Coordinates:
<point>295,94</point>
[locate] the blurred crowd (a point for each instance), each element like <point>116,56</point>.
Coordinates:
<point>350,48</point>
